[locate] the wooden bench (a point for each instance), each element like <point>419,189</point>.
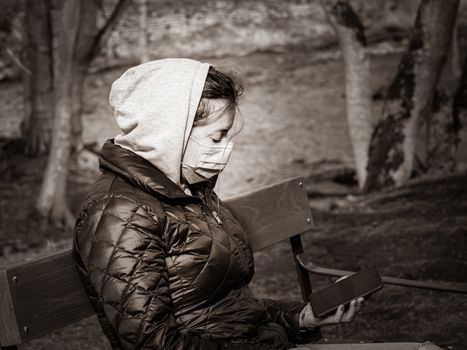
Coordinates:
<point>43,295</point>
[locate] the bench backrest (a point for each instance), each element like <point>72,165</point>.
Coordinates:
<point>273,213</point>
<point>46,294</point>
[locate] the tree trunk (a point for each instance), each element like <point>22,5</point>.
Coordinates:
<point>85,40</point>
<point>38,85</point>
<point>143,32</point>
<point>460,111</point>
<point>77,100</point>
<point>51,203</point>
<point>409,97</point>
<point>440,136</point>
<point>351,36</point>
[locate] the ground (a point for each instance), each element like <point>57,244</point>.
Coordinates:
<point>417,232</point>
<point>294,113</point>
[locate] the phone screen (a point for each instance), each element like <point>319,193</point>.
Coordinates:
<point>359,284</point>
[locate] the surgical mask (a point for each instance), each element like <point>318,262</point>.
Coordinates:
<point>204,160</point>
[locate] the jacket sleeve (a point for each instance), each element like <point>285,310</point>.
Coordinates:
<point>286,313</point>
<point>122,247</point>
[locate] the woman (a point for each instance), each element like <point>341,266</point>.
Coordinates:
<point>164,263</point>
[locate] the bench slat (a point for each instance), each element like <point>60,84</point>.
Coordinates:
<point>9,334</point>
<point>47,295</point>
<point>273,213</point>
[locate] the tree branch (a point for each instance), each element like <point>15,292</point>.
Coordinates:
<point>104,33</point>
<point>17,61</point>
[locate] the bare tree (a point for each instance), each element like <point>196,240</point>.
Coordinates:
<point>143,31</point>
<point>351,35</point>
<point>36,126</point>
<point>75,44</point>
<point>460,104</point>
<point>65,24</point>
<point>90,42</point>
<point>409,97</point>
<point>81,60</point>
<point>439,139</point>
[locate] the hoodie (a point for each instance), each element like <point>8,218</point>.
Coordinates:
<point>154,105</point>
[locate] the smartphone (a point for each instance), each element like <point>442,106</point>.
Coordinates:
<point>360,284</point>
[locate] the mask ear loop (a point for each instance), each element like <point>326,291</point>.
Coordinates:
<point>218,192</point>
<point>218,178</point>
<point>219,182</point>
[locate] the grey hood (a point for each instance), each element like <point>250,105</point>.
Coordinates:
<point>154,105</point>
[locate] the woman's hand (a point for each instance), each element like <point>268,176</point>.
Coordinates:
<point>309,320</point>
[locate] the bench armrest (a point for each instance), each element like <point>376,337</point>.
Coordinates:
<point>451,287</point>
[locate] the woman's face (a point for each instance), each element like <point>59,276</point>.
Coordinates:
<point>208,147</point>
<point>216,127</point>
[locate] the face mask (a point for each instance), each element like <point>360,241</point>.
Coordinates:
<point>203,161</point>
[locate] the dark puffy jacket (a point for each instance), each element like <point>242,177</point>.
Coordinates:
<point>163,270</point>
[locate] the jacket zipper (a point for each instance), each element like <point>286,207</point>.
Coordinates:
<point>214,213</point>
<point>216,217</point>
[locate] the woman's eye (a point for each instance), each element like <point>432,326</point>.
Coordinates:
<point>215,140</point>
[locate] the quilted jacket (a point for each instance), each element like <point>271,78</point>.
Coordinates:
<point>165,270</point>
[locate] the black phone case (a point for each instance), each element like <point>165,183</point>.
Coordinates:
<point>360,284</point>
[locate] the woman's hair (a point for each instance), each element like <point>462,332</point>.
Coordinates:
<point>218,85</point>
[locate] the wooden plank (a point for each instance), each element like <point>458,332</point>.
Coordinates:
<point>47,295</point>
<point>9,334</point>
<point>273,213</point>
